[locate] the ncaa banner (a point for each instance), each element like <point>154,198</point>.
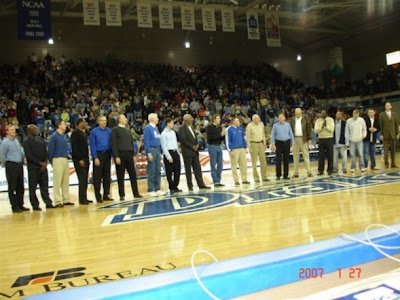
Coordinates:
<point>228,20</point>
<point>208,19</point>
<point>91,14</point>
<point>166,17</point>
<point>34,19</point>
<point>272,29</point>
<point>187,15</point>
<point>145,18</point>
<point>113,13</point>
<point>253,28</point>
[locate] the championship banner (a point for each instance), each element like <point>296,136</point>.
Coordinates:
<point>113,13</point>
<point>145,18</point>
<point>272,29</point>
<point>335,58</point>
<point>228,20</point>
<point>34,19</point>
<point>187,15</point>
<point>208,19</point>
<point>166,17</point>
<point>91,14</point>
<point>253,28</point>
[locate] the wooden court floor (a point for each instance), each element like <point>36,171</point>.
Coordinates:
<point>77,246</point>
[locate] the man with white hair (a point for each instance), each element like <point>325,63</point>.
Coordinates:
<point>255,137</point>
<point>302,129</point>
<point>152,145</point>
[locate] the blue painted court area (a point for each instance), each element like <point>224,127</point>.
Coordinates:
<point>244,275</point>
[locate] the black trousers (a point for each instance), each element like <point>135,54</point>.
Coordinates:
<point>36,177</point>
<point>193,162</point>
<point>102,173</point>
<point>325,147</point>
<point>282,151</point>
<point>82,173</point>
<point>127,164</point>
<point>173,170</point>
<point>15,179</point>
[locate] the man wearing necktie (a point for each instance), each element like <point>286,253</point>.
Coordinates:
<point>389,123</point>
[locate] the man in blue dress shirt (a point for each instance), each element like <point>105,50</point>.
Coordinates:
<point>152,146</point>
<point>172,160</point>
<point>11,158</point>
<point>100,147</point>
<point>282,140</point>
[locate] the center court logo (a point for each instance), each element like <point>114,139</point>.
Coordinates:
<point>131,211</point>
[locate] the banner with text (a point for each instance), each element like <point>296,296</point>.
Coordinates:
<point>187,15</point>
<point>253,27</point>
<point>228,20</point>
<point>113,13</point>
<point>272,29</point>
<point>34,19</point>
<point>145,18</point>
<point>208,19</point>
<point>166,16</point>
<point>91,14</point>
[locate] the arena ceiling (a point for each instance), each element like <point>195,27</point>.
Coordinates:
<point>305,24</point>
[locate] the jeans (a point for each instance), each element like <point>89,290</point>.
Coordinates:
<point>154,170</point>
<point>369,151</point>
<point>343,154</point>
<point>216,162</point>
<point>356,148</point>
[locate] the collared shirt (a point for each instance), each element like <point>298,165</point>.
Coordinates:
<point>338,130</point>
<point>168,142</point>
<point>10,150</point>
<point>389,114</point>
<point>151,137</point>
<point>372,125</point>
<point>255,133</point>
<point>298,128</point>
<point>100,140</point>
<point>357,129</point>
<point>35,150</point>
<point>191,130</point>
<point>58,146</point>
<point>281,132</point>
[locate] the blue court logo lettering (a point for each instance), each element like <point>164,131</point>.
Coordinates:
<point>142,209</point>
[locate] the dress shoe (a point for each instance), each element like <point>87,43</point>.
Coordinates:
<point>17,210</point>
<point>137,196</point>
<point>220,184</point>
<point>295,176</point>
<point>59,205</point>
<point>204,187</point>
<point>90,201</point>
<point>37,208</point>
<point>278,178</point>
<point>83,203</point>
<point>99,201</point>
<point>265,179</point>
<point>257,180</point>
<point>394,166</point>
<point>121,198</point>
<point>286,178</point>
<point>320,174</point>
<point>108,199</point>
<point>69,203</point>
<point>344,171</point>
<point>309,175</point>
<point>246,182</point>
<point>190,189</point>
<point>50,206</point>
<point>335,171</point>
<point>177,191</point>
<point>23,208</point>
<point>237,183</point>
<point>329,173</point>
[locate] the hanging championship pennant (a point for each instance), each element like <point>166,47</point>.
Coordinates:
<point>113,13</point>
<point>253,28</point>
<point>91,14</point>
<point>34,20</point>
<point>187,15</point>
<point>228,20</point>
<point>272,29</point>
<point>166,16</point>
<point>208,19</point>
<point>145,18</point>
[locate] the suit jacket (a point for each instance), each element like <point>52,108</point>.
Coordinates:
<point>389,128</point>
<point>187,141</point>
<point>376,125</point>
<point>306,126</point>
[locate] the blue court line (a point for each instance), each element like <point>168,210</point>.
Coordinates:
<point>240,276</point>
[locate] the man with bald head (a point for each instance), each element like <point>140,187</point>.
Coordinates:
<point>302,130</point>
<point>255,137</point>
<point>36,155</point>
<point>389,123</point>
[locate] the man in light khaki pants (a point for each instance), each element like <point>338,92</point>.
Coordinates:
<point>255,137</point>
<point>302,130</point>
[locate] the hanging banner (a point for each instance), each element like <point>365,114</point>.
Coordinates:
<point>335,58</point>
<point>208,19</point>
<point>253,28</point>
<point>272,29</point>
<point>145,18</point>
<point>113,13</point>
<point>91,14</point>
<point>187,15</point>
<point>166,17</point>
<point>34,19</point>
<point>228,20</point>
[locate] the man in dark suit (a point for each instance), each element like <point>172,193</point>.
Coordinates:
<point>370,140</point>
<point>190,153</point>
<point>389,123</point>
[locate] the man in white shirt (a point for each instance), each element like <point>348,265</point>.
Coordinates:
<point>357,132</point>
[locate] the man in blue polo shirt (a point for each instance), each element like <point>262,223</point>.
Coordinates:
<point>152,144</point>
